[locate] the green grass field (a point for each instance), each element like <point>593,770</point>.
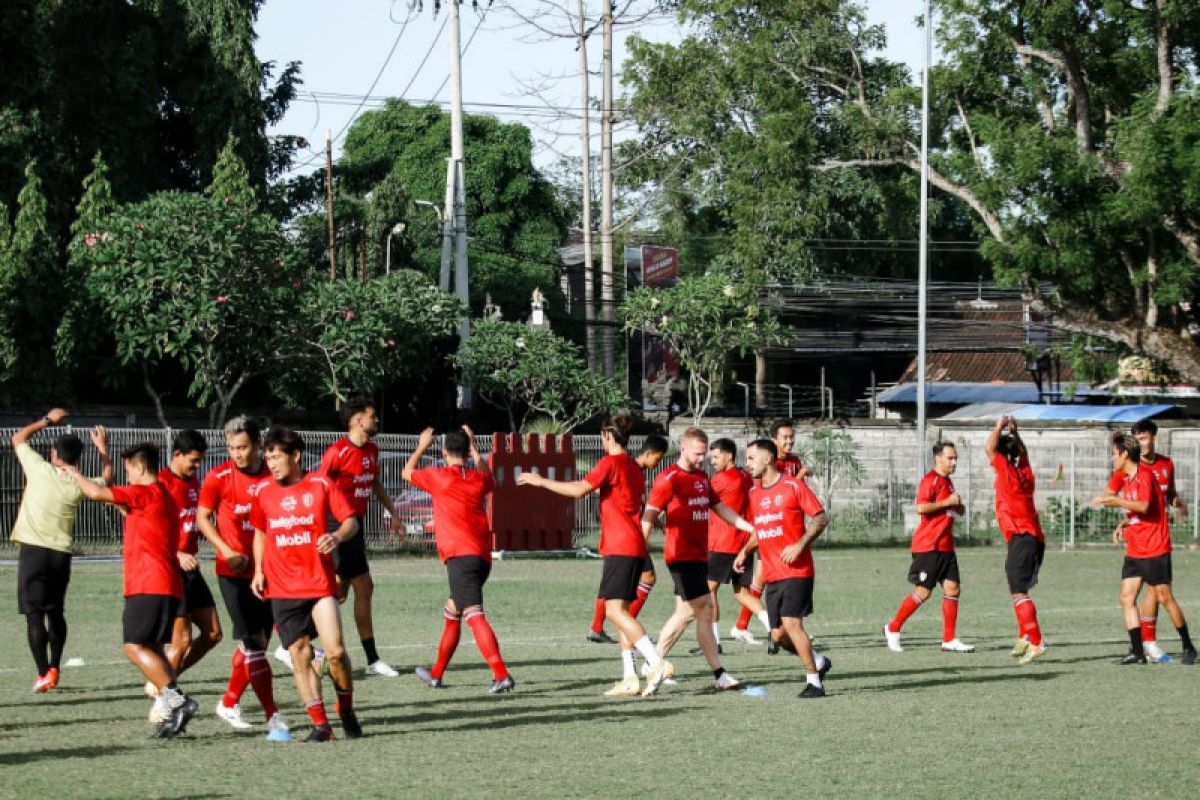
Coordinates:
<point>918,723</point>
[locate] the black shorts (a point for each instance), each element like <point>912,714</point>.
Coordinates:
<point>720,570</point>
<point>648,566</point>
<point>791,597</point>
<point>930,569</point>
<point>467,574</point>
<point>249,616</point>
<point>691,578</point>
<point>620,577</point>
<point>1153,571</point>
<point>149,618</point>
<point>294,619</point>
<point>350,557</point>
<point>196,594</point>
<point>42,578</point>
<point>1024,560</point>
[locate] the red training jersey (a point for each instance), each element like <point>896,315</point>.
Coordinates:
<point>622,485</point>
<point>789,465</point>
<point>1147,534</point>
<point>186,494</point>
<point>352,469</point>
<point>230,492</point>
<point>1015,512</point>
<point>291,519</point>
<point>779,513</point>
<point>1164,472</point>
<point>935,532</point>
<point>685,498</point>
<point>460,522</point>
<point>151,534</point>
<point>732,487</point>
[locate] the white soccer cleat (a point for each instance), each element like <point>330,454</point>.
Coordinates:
<point>233,715</point>
<point>629,687</point>
<point>1153,651</point>
<point>893,639</point>
<point>158,710</point>
<point>1020,648</point>
<point>742,635</point>
<point>1032,653</point>
<point>383,668</point>
<point>277,728</point>
<point>660,673</point>
<point>283,656</point>
<point>726,682</point>
<point>957,646</point>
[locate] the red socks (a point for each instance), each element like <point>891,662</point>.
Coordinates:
<point>1149,627</point>
<point>1027,622</point>
<point>259,671</point>
<point>485,640</point>
<point>239,679</point>
<point>908,607</point>
<point>598,616</point>
<point>643,591</point>
<point>448,644</point>
<point>316,712</point>
<point>743,620</point>
<point>949,618</point>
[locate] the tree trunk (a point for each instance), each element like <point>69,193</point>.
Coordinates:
<point>154,395</point>
<point>760,379</point>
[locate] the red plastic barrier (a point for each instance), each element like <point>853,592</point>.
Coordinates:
<point>522,517</point>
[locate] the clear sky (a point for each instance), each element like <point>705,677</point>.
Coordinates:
<point>344,47</point>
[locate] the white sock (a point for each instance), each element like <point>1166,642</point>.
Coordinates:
<point>646,648</point>
<point>627,663</point>
<point>716,633</point>
<point>820,660</point>
<point>765,620</point>
<point>813,679</point>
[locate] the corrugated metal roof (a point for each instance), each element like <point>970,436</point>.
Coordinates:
<point>1059,413</point>
<point>956,393</point>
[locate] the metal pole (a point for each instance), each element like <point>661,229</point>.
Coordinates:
<point>589,276</point>
<point>1196,493</point>
<point>387,262</point>
<point>967,494</point>
<point>606,193</point>
<point>923,271</point>
<point>746,394</point>
<point>1071,505</point>
<point>329,203</point>
<point>789,391</point>
<point>821,412</point>
<point>461,277</point>
<point>446,221</point>
<point>890,499</point>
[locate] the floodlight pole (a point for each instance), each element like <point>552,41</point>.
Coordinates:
<point>923,271</point>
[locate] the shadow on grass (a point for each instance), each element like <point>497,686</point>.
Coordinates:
<point>1014,675</point>
<point>56,753</point>
<point>614,711</point>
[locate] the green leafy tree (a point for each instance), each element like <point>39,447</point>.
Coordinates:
<point>833,456</point>
<point>534,374</point>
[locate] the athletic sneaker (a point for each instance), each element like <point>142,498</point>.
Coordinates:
<point>742,635</point>
<point>823,669</point>
<point>1020,648</point>
<point>893,639</point>
<point>1153,651</point>
<point>772,646</point>
<point>284,656</point>
<point>277,728</point>
<point>629,687</point>
<point>809,691</point>
<point>957,646</point>
<point>1032,653</point>
<point>158,711</point>
<point>233,715</point>
<point>503,685</point>
<point>726,681</point>
<point>42,684</point>
<point>381,667</point>
<point>1161,658</point>
<point>1130,658</point>
<point>646,674</point>
<point>696,651</point>
<point>1189,657</point>
<point>427,677</point>
<point>320,733</point>
<point>600,637</point>
<point>350,725</point>
<point>177,718</point>
<point>658,674</point>
<point>150,689</point>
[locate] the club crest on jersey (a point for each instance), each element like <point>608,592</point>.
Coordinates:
<point>288,503</point>
<point>778,500</point>
<point>193,496</point>
<point>765,503</point>
<point>307,499</point>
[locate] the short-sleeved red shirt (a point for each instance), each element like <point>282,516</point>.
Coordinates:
<point>1147,535</point>
<point>684,497</point>
<point>151,535</point>
<point>230,492</point>
<point>1163,469</point>
<point>186,494</point>
<point>353,470</point>
<point>935,532</point>
<point>1014,487</point>
<point>732,487</point>
<point>460,520</point>
<point>779,513</point>
<point>292,518</point>
<point>622,486</point>
<point>789,465</point>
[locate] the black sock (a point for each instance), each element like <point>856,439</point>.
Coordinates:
<point>718,672</point>
<point>369,648</point>
<point>1184,638</point>
<point>35,623</point>
<point>57,636</point>
<point>1135,642</point>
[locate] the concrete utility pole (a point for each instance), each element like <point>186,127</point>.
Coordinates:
<point>329,204</point>
<point>461,277</point>
<point>606,194</point>
<point>589,275</point>
<point>923,269</point>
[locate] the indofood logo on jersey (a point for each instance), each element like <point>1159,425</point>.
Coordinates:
<point>287,523</point>
<point>761,521</point>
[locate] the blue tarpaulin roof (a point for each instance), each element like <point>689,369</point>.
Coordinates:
<point>1066,412</point>
<point>952,393</point>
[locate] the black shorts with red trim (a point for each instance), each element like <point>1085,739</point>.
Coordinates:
<point>42,579</point>
<point>691,578</point>
<point>1023,562</point>
<point>350,557</point>
<point>196,594</point>
<point>1153,571</point>
<point>931,568</point>
<point>148,619</point>
<point>249,616</point>
<point>467,576</point>
<point>790,597</point>
<point>293,618</point>
<point>720,570</point>
<point>620,577</point>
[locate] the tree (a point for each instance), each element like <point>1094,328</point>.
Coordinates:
<point>704,319</point>
<point>833,455</point>
<point>534,373</point>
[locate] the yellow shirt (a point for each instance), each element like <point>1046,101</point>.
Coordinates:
<point>47,514</point>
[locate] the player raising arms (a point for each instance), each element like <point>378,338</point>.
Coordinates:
<point>788,517</point>
<point>223,516</point>
<point>352,462</point>
<point>464,543</point>
<point>1022,529</point>
<point>621,484</point>
<point>933,558</point>
<point>293,568</point>
<point>153,585</point>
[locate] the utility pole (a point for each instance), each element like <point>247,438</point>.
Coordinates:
<point>606,194</point>
<point>923,260</point>
<point>589,275</point>
<point>461,277</point>
<point>329,203</point>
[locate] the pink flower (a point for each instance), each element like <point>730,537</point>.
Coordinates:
<point>391,342</point>
<point>91,239</point>
<point>221,298</point>
<point>348,314</point>
<point>296,284</point>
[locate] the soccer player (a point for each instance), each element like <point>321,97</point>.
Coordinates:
<point>1022,529</point>
<point>1147,537</point>
<point>732,485</point>
<point>684,495</point>
<point>788,517</point>
<point>293,568</point>
<point>464,543</point>
<point>654,449</point>
<point>933,558</point>
<point>223,517</point>
<point>352,462</point>
<point>44,532</point>
<point>621,484</point>
<point>153,585</point>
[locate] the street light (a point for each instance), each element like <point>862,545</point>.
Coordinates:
<point>397,229</point>
<point>447,244</point>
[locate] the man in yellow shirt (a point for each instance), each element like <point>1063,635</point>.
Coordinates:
<point>44,529</point>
